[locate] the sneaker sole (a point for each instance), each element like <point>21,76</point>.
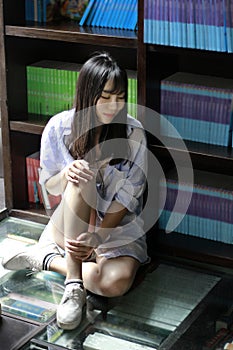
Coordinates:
<point>68,326</point>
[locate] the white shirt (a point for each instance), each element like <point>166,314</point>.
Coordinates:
<point>124,182</point>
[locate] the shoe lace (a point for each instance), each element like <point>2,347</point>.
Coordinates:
<point>73,292</point>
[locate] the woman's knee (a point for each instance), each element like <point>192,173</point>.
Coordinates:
<point>115,284</point>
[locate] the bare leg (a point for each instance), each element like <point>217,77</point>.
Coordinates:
<point>107,277</point>
<point>72,218</point>
<point>110,277</point>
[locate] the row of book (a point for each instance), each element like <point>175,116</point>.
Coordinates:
<point>200,24</point>
<point>209,214</point>
<point>94,13</point>
<point>37,193</point>
<point>43,11</point>
<point>117,14</point>
<point>51,87</point>
<point>198,107</point>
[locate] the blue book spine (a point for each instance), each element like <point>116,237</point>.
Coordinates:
<point>39,10</point>
<point>134,15</point>
<point>109,20</point>
<point>95,18</point>
<point>92,13</point>
<point>29,10</point>
<point>126,19</point>
<point>170,22</point>
<point>100,22</point>
<point>86,13</point>
<point>178,20</point>
<point>160,28</point>
<point>146,26</point>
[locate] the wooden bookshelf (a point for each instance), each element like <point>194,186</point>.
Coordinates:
<point>24,43</point>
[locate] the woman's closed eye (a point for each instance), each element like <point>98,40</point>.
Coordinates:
<point>120,97</point>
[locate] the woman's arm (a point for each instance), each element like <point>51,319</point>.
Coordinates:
<point>57,183</point>
<point>86,241</point>
<point>112,219</point>
<point>75,172</point>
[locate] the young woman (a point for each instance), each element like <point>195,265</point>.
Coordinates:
<point>95,156</point>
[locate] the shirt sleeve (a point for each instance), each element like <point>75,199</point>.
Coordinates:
<point>54,155</point>
<point>130,188</point>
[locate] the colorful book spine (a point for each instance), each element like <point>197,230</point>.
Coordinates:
<point>198,111</point>
<point>200,24</point>
<point>27,307</point>
<point>208,215</point>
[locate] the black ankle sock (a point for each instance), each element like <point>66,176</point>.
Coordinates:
<point>47,260</point>
<point>73,280</point>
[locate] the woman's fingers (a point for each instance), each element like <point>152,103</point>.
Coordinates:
<point>79,171</point>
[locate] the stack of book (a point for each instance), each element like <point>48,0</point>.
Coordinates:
<point>51,87</point>
<point>117,14</point>
<point>198,107</point>
<point>37,193</point>
<point>209,215</point>
<point>202,24</point>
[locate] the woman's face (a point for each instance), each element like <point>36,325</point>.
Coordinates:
<point>109,104</point>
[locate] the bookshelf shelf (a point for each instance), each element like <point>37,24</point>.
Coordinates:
<point>73,33</point>
<point>218,158</point>
<point>195,248</point>
<point>31,127</point>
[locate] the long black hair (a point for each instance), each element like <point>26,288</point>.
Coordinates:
<point>93,76</point>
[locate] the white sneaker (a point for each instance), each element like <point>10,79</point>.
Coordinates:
<point>31,258</point>
<point>69,311</point>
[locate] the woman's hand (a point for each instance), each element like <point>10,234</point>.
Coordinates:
<point>83,246</point>
<point>78,171</point>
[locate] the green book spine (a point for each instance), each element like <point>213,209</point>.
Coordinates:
<point>52,90</point>
<point>29,90</point>
<point>69,91</point>
<point>46,91</point>
<point>60,99</point>
<point>33,91</point>
<point>64,89</point>
<point>134,97</point>
<point>39,78</point>
<point>56,102</point>
<point>43,91</point>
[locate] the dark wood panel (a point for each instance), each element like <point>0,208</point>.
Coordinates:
<point>193,248</point>
<point>22,145</point>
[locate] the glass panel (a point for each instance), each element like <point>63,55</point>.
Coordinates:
<point>23,293</point>
<point>144,317</point>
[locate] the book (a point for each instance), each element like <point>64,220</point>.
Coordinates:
<point>74,9</point>
<point>86,12</point>
<point>37,193</point>
<point>28,307</point>
<point>209,214</point>
<point>32,163</point>
<point>200,24</point>
<point>102,341</point>
<point>199,107</point>
<point>51,86</point>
